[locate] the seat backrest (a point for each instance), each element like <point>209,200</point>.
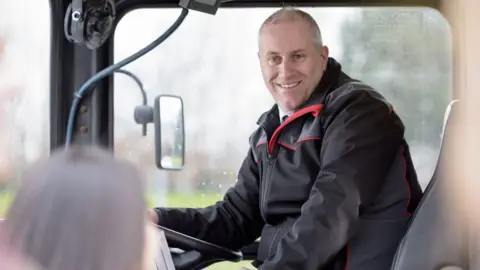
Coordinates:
<point>435,237</point>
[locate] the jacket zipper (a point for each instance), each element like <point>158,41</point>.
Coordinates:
<point>266,187</point>
<point>272,154</point>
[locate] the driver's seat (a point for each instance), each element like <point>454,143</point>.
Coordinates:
<point>436,237</point>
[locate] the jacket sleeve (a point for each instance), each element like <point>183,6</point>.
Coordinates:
<point>232,223</point>
<point>360,143</point>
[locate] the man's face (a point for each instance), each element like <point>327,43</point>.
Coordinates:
<point>292,63</point>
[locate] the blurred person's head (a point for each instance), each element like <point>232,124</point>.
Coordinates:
<point>80,209</point>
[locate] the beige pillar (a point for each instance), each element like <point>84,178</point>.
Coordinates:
<point>464,158</point>
<point>464,20</point>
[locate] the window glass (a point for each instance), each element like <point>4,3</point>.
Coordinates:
<point>24,89</point>
<point>211,62</point>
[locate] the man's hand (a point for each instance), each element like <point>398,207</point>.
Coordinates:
<point>153,216</point>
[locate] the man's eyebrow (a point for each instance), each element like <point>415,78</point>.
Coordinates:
<point>271,53</point>
<point>291,52</point>
<point>297,51</point>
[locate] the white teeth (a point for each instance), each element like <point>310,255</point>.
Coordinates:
<point>289,85</point>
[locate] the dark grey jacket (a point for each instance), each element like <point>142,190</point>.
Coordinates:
<point>331,188</point>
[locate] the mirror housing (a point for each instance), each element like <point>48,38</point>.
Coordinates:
<point>169,132</point>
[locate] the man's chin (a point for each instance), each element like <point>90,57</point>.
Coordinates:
<point>288,106</point>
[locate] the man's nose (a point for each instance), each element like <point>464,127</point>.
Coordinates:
<point>286,69</point>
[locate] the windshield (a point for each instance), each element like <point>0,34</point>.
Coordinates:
<point>211,62</point>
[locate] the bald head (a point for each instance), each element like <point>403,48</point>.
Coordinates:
<point>290,14</point>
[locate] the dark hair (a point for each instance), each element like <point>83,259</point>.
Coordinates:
<point>80,209</point>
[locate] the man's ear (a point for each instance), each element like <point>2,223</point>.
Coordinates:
<point>325,53</point>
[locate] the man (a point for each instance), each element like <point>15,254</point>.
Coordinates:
<point>328,182</point>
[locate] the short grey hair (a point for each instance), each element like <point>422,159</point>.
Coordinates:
<point>292,13</point>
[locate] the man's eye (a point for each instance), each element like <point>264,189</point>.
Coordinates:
<point>273,60</point>
<point>298,57</point>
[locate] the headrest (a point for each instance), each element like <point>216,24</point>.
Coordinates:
<point>447,115</point>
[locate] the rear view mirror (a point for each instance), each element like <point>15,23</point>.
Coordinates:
<point>169,132</point>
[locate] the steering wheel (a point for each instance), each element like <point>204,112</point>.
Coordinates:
<point>197,254</point>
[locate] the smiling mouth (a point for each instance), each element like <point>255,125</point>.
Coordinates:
<point>288,86</point>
